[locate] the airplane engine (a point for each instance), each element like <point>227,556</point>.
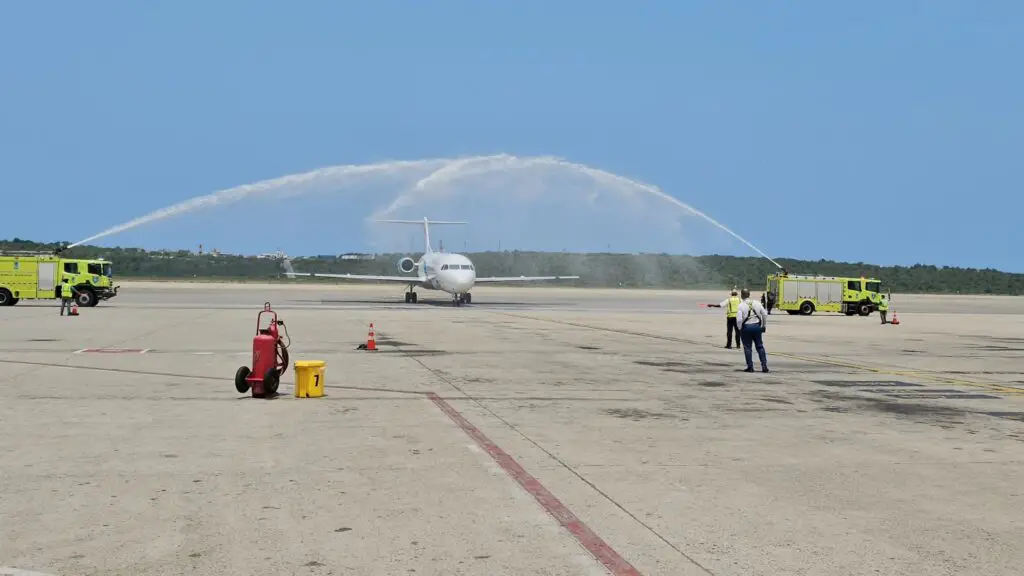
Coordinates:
<point>406,264</point>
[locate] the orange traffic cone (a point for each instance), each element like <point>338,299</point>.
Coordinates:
<point>895,319</point>
<point>371,341</point>
<point>74,309</point>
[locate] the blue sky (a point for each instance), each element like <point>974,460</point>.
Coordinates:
<point>878,131</point>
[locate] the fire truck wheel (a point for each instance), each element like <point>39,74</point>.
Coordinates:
<point>240,383</point>
<point>85,298</point>
<point>270,382</point>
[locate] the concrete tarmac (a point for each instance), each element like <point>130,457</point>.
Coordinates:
<point>540,430</point>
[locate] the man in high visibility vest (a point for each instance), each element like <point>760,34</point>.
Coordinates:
<point>732,306</point>
<point>67,296</point>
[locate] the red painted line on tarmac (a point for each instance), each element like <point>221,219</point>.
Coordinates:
<point>113,350</point>
<point>604,553</point>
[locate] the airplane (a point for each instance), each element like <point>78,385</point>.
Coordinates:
<point>445,271</point>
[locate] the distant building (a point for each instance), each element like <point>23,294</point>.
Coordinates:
<point>357,256</point>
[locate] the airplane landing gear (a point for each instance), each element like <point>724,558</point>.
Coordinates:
<point>461,299</point>
<point>410,297</point>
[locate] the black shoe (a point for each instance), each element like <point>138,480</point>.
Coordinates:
<point>764,370</point>
<point>748,369</point>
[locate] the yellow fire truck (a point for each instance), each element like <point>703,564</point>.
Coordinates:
<point>807,294</point>
<point>37,276</point>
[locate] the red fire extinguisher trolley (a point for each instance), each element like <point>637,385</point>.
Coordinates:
<point>269,357</point>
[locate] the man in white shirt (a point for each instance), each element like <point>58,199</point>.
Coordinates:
<point>752,321</point>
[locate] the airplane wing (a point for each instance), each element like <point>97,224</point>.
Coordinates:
<point>523,278</point>
<point>369,278</point>
<point>290,272</point>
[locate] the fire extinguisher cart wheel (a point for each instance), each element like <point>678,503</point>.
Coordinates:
<point>271,381</point>
<point>241,382</point>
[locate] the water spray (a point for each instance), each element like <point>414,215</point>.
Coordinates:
<point>440,171</point>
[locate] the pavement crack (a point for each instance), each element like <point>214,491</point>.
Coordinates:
<point>563,464</point>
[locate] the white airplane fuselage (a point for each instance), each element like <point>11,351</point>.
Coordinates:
<point>445,271</point>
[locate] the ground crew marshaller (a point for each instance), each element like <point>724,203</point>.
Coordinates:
<point>67,296</point>
<point>732,306</point>
<point>753,321</point>
<point>883,307</point>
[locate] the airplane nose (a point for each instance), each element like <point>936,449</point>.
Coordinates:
<point>466,281</point>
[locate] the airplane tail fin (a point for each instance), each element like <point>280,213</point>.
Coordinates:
<point>426,228</point>
<point>289,270</point>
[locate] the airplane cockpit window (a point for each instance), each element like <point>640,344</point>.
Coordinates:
<point>444,267</point>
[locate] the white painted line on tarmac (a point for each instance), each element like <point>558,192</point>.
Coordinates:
<point>8,571</point>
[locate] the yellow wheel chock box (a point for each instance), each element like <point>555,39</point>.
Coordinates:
<point>309,378</point>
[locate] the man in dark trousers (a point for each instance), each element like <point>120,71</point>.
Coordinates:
<point>752,321</point>
<point>67,296</point>
<point>731,305</point>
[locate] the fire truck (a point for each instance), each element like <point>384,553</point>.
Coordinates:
<point>38,276</point>
<point>807,294</point>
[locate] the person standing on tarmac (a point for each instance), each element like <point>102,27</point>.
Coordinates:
<point>731,305</point>
<point>67,296</point>
<point>753,321</point>
<point>883,307</point>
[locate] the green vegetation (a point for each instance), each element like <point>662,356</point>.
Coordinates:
<point>595,269</point>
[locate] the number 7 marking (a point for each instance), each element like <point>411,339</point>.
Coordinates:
<point>316,380</point>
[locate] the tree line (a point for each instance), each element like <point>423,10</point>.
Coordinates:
<point>594,269</point>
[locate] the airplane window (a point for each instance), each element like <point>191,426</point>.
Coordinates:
<point>445,267</point>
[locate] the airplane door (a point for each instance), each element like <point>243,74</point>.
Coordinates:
<point>47,276</point>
